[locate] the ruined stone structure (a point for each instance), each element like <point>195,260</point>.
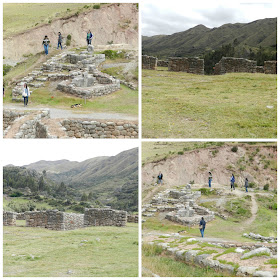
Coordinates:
<point>100,129</point>
<point>54,220</point>
<point>162,63</point>
<point>9,117</point>
<point>149,62</point>
<point>233,64</point>
<point>132,218</point>
<point>270,67</point>
<point>105,217</point>
<point>192,65</point>
<point>180,205</point>
<point>20,216</point>
<point>259,69</point>
<point>9,218</point>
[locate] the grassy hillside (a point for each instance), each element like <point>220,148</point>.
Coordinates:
<point>195,41</point>
<point>88,252</point>
<point>181,105</point>
<point>23,16</point>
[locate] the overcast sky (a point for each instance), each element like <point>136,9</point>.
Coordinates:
<point>168,17</point>
<point>21,152</point>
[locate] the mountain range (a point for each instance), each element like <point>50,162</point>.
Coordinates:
<point>200,39</point>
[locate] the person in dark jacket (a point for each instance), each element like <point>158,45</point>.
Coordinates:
<point>46,42</point>
<point>232,180</point>
<point>59,41</point>
<point>89,37</point>
<point>246,184</point>
<point>202,225</point>
<point>160,176</point>
<point>210,179</point>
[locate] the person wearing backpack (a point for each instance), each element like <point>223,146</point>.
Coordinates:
<point>202,225</point>
<point>160,176</point>
<point>59,41</point>
<point>25,94</point>
<point>232,180</point>
<point>209,179</point>
<point>46,42</point>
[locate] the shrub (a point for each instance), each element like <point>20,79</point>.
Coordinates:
<point>205,191</point>
<point>266,187</point>
<point>234,149</point>
<point>50,21</point>
<point>69,37</point>
<point>6,69</point>
<point>16,194</point>
<point>180,153</point>
<point>68,42</point>
<point>97,6</point>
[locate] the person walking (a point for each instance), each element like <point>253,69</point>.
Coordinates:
<point>232,180</point>
<point>46,42</point>
<point>246,184</point>
<point>25,94</point>
<point>209,179</point>
<point>59,40</point>
<point>160,176</point>
<point>202,225</point>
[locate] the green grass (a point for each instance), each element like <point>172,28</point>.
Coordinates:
<point>227,251</point>
<point>272,261</point>
<point>56,252</point>
<point>168,267</point>
<point>184,105</point>
<point>257,255</point>
<point>238,209</point>
<point>20,17</point>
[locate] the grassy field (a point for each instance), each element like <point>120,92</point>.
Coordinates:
<point>92,252</point>
<point>176,104</point>
<point>18,17</point>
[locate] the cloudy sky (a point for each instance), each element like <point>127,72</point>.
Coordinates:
<point>168,17</point>
<point>28,151</point>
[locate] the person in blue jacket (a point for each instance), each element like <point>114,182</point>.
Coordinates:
<point>210,179</point>
<point>246,184</point>
<point>202,225</point>
<point>232,180</point>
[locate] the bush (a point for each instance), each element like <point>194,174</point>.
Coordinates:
<point>69,37</point>
<point>68,42</point>
<point>180,153</point>
<point>205,191</point>
<point>234,149</point>
<point>6,69</point>
<point>251,185</point>
<point>266,187</point>
<point>97,6</point>
<point>16,194</point>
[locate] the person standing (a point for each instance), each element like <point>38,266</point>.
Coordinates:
<point>59,40</point>
<point>232,180</point>
<point>25,94</point>
<point>209,179</point>
<point>160,176</point>
<point>202,225</point>
<point>46,42</point>
<point>246,184</point>
<point>89,37</point>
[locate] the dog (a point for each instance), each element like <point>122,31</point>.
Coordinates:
<point>76,105</point>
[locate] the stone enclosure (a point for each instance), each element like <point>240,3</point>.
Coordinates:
<point>180,207</point>
<point>57,220</point>
<point>196,66</point>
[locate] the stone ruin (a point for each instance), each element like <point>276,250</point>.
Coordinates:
<point>235,65</point>
<point>192,65</point>
<point>270,67</point>
<point>132,218</point>
<point>162,63</point>
<point>77,74</point>
<point>57,220</point>
<point>180,205</point>
<point>104,217</point>
<point>149,62</point>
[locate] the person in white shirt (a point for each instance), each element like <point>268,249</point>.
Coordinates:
<point>25,94</point>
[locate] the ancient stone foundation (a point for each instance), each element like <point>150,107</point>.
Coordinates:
<point>233,65</point>
<point>149,62</point>
<point>270,67</point>
<point>132,218</point>
<point>259,69</point>
<point>190,65</point>
<point>9,117</point>
<point>9,218</point>
<point>54,220</point>
<point>162,63</point>
<point>100,129</point>
<point>105,217</point>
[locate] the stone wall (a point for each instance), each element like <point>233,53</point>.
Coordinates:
<point>20,216</point>
<point>233,64</point>
<point>259,69</point>
<point>149,62</point>
<point>132,218</point>
<point>270,67</point>
<point>192,65</point>
<point>100,129</point>
<point>54,220</point>
<point>105,217</point>
<point>9,117</point>
<point>162,63</point>
<point>9,218</point>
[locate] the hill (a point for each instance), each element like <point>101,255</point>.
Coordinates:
<point>199,39</point>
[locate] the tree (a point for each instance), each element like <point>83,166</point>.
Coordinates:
<point>44,173</point>
<point>41,184</point>
<point>84,197</point>
<point>90,196</point>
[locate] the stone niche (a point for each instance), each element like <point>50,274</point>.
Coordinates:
<point>235,65</point>
<point>192,65</point>
<point>149,62</point>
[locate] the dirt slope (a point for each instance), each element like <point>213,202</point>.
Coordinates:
<point>194,166</point>
<point>113,22</point>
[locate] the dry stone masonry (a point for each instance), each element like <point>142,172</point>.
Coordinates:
<point>132,218</point>
<point>270,67</point>
<point>149,62</point>
<point>192,65</point>
<point>105,217</point>
<point>162,63</point>
<point>9,218</point>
